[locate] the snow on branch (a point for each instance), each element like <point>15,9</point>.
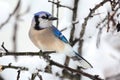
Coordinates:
<point>90,15</point>
<point>86,20</point>
<point>51,62</point>
<point>80,72</point>
<point>106,21</point>
<point>34,75</point>
<point>3,67</point>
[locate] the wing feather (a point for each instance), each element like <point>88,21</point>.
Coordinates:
<point>58,34</point>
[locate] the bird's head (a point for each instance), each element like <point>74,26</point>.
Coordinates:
<point>43,20</point>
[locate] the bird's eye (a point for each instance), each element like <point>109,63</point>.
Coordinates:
<point>43,17</point>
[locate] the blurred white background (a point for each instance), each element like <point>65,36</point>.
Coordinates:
<point>105,59</point>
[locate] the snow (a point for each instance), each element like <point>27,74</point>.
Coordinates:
<point>103,59</point>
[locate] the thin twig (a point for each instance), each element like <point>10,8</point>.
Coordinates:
<point>60,5</point>
<point>74,41</point>
<point>102,21</point>
<point>14,11</point>
<point>33,76</point>
<point>39,76</point>
<point>53,8</point>
<point>99,37</point>
<point>4,47</point>
<point>108,22</point>
<point>18,76</point>
<point>57,12</point>
<point>85,22</point>
<point>13,67</point>
<point>74,22</point>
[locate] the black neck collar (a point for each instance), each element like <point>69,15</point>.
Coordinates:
<point>37,27</point>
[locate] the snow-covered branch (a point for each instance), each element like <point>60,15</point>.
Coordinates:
<point>51,62</point>
<point>80,72</point>
<point>86,21</point>
<point>3,67</point>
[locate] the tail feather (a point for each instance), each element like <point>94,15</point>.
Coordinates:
<point>81,62</point>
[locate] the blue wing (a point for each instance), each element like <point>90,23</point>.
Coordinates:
<point>58,34</point>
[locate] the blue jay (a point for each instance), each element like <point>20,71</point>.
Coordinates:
<point>47,37</point>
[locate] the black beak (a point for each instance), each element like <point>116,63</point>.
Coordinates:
<point>53,18</point>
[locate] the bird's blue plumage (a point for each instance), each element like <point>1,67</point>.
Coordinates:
<point>42,12</point>
<point>43,20</point>
<point>58,34</point>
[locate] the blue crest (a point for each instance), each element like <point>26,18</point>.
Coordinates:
<point>42,12</point>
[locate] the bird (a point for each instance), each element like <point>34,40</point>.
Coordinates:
<point>46,37</point>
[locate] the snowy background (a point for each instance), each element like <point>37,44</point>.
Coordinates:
<point>105,59</point>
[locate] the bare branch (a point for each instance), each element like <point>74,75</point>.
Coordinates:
<point>4,47</point>
<point>53,8</point>
<point>7,53</point>
<point>14,11</point>
<point>94,77</point>
<point>40,77</point>
<point>73,23</point>
<point>96,14</point>
<point>35,75</point>
<point>108,22</point>
<point>60,5</point>
<point>64,29</point>
<point>102,21</point>
<point>98,37</point>
<point>13,67</point>
<point>51,63</point>
<point>18,76</point>
<point>75,41</point>
<point>26,53</point>
<point>86,20</point>
<point>58,2</point>
<point>73,19</point>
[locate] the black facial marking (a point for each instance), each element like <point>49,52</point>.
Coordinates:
<point>45,17</point>
<point>36,20</point>
<point>37,27</point>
